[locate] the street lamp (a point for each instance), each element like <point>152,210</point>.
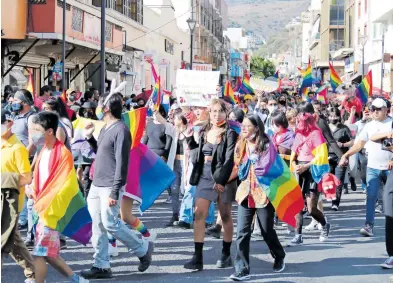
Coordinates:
<point>191,25</point>
<point>363,41</point>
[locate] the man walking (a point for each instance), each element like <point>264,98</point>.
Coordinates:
<point>110,175</point>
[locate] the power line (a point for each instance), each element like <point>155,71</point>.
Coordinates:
<point>153,30</point>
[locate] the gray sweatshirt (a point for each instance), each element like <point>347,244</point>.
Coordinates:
<point>112,155</point>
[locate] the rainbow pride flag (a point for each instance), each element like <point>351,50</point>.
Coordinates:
<point>236,126</point>
<point>304,95</point>
<point>59,203</point>
<point>280,185</point>
<point>322,96</point>
<point>135,121</point>
<point>148,176</point>
<point>246,87</point>
<point>335,80</point>
<point>228,92</point>
<point>320,163</point>
<point>301,71</point>
<point>307,79</point>
<point>156,94</point>
<point>30,84</point>
<point>364,89</point>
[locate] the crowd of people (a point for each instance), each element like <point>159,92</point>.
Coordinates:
<point>216,153</point>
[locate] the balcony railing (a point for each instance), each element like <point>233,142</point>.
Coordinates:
<point>132,9</point>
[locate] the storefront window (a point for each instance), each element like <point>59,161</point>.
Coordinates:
<point>108,31</point>
<point>77,19</point>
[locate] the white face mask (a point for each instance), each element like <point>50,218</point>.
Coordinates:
<point>252,137</point>
<point>4,129</point>
<point>272,108</point>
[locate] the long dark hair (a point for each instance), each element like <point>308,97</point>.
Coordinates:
<point>262,140</point>
<point>57,105</point>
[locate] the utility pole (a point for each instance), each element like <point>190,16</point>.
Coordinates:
<point>63,78</point>
<point>383,53</point>
<point>102,57</point>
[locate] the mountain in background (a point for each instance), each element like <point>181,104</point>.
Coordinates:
<point>266,18</point>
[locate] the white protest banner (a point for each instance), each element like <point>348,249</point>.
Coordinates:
<point>264,85</point>
<point>196,88</point>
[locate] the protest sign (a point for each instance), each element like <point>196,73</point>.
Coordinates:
<point>196,88</point>
<point>264,85</point>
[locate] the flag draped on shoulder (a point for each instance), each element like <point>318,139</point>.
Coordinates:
<point>59,203</point>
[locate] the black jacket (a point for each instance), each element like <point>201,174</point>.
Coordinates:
<point>222,162</point>
<point>327,134</point>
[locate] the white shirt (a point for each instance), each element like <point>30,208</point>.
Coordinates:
<point>44,167</point>
<point>377,158</point>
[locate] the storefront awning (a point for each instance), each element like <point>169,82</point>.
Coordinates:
<point>18,76</point>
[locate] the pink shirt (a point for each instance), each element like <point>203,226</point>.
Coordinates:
<point>303,146</point>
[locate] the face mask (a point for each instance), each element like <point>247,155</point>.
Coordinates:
<point>16,107</point>
<point>38,139</point>
<point>275,128</point>
<point>252,137</point>
<point>88,114</point>
<point>4,129</point>
<point>99,113</point>
<point>334,121</point>
<point>282,102</point>
<point>272,108</point>
<point>71,98</point>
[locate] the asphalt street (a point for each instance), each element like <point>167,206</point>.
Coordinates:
<point>346,257</point>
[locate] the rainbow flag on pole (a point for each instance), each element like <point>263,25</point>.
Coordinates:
<point>246,86</point>
<point>364,89</point>
<point>228,92</point>
<point>156,94</point>
<point>322,96</point>
<point>307,79</point>
<point>280,185</point>
<point>59,203</point>
<point>30,84</point>
<point>277,76</point>
<point>335,80</point>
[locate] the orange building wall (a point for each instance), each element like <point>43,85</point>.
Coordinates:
<point>14,18</point>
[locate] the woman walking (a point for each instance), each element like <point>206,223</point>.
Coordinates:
<point>252,199</point>
<point>211,174</point>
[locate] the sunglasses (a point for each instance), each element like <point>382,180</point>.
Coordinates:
<point>374,109</point>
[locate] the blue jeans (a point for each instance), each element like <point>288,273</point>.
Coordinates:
<point>187,207</point>
<point>106,220</point>
<point>23,214</point>
<point>375,180</point>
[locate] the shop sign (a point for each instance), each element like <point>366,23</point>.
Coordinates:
<point>169,46</point>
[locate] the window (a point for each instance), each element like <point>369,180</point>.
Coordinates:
<point>77,19</point>
<point>108,31</point>
<point>359,36</point>
<point>337,15</point>
<point>137,10</point>
<point>365,29</point>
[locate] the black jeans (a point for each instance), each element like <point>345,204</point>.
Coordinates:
<point>339,172</point>
<point>86,180</point>
<point>388,205</point>
<point>265,217</point>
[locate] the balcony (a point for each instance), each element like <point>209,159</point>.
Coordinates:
<point>132,9</point>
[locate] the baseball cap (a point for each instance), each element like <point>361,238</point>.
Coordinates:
<point>5,116</point>
<point>248,96</point>
<point>379,103</point>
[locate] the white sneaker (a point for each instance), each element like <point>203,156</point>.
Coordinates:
<point>112,250</point>
<point>30,280</point>
<point>153,236</point>
<point>83,280</point>
<point>388,264</point>
<point>312,226</point>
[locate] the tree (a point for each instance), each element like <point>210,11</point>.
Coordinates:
<point>262,67</point>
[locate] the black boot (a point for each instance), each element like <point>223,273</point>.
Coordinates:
<point>97,273</point>
<point>214,231</point>
<point>196,262</point>
<point>225,260</point>
<point>174,219</point>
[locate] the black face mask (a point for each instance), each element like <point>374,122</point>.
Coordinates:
<point>71,98</point>
<point>282,102</point>
<point>88,114</point>
<point>334,121</point>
